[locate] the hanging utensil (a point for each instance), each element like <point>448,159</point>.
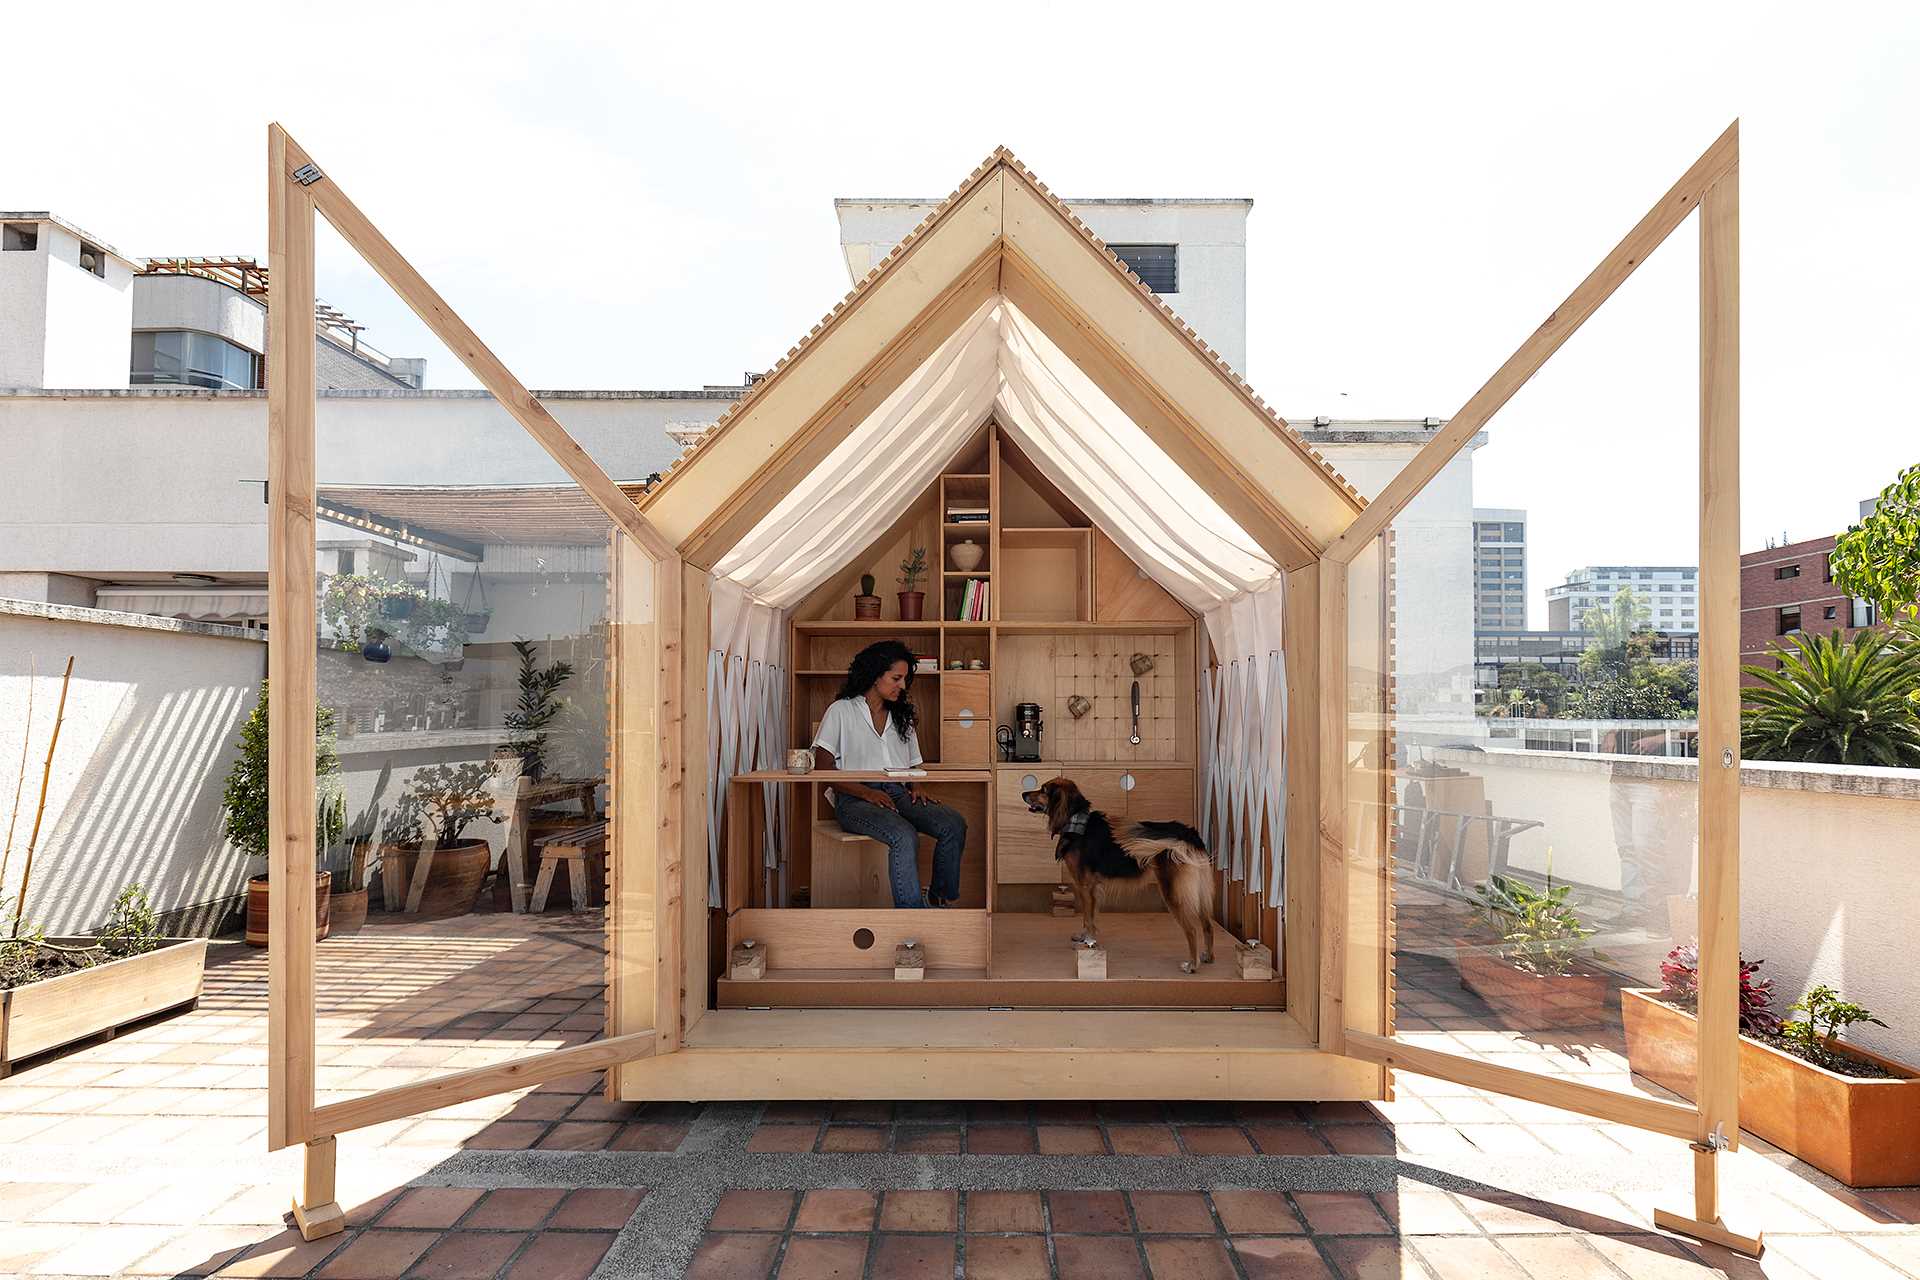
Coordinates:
<point>1135,739</point>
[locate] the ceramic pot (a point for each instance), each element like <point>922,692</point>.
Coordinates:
<point>257,914</point>
<point>866,608</point>
<point>966,555</point>
<point>348,912</point>
<point>453,882</point>
<point>911,602</point>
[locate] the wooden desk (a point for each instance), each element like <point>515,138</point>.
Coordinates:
<point>739,813</point>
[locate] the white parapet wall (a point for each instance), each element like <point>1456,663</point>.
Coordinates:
<point>1829,857</point>
<point>153,713</point>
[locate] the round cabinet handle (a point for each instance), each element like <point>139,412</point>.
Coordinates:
<point>1029,782</point>
<point>966,717</point>
<point>1127,782</point>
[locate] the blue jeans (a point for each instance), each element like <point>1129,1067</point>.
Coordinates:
<point>899,832</point>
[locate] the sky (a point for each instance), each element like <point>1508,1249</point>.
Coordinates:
<point>627,196</point>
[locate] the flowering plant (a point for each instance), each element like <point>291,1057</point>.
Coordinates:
<point>1680,986</point>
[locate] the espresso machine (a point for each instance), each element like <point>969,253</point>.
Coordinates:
<point>1021,742</point>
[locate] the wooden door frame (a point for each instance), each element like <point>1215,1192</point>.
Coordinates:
<point>1711,1126</point>
<point>297,189</point>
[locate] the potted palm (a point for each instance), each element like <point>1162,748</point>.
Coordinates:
<point>1832,701</point>
<point>244,805</point>
<point>1529,960</point>
<point>913,570</point>
<point>1843,1109</point>
<point>440,803</point>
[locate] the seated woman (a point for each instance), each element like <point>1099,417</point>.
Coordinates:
<point>870,728</point>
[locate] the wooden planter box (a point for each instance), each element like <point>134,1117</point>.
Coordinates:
<point>1864,1132</point>
<point>45,1015</point>
<point>1530,1001</point>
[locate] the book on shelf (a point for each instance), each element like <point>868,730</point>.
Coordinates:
<point>973,601</point>
<point>966,515</point>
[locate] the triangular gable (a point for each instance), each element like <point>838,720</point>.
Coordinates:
<point>1002,232</point>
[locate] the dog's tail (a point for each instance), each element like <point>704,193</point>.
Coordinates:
<point>1178,842</point>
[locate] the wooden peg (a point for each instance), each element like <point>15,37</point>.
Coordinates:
<point>909,962</point>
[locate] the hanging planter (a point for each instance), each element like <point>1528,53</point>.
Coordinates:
<point>398,606</point>
<point>476,619</point>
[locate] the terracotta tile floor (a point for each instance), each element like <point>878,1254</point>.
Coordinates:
<point>145,1155</point>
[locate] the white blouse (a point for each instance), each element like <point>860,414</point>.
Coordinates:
<point>847,731</point>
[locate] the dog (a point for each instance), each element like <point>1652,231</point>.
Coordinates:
<point>1095,854</point>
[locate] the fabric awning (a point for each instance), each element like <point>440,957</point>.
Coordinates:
<point>196,604</point>
<point>999,364</point>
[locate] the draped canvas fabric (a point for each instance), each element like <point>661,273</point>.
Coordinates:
<point>998,365</point>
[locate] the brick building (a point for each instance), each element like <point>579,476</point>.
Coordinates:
<point>1790,588</point>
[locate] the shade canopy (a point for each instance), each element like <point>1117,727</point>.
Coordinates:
<point>998,364</point>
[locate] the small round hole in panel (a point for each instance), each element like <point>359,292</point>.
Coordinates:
<point>1127,782</point>
<point>863,939</point>
<point>1029,783</point>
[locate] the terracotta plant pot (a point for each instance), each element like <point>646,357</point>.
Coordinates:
<point>257,915</point>
<point>866,608</point>
<point>1864,1132</point>
<point>453,882</point>
<point>1531,1001</point>
<point>911,603</point>
<point>348,911</point>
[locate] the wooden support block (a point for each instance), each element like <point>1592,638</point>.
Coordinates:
<point>1063,904</point>
<point>315,1210</point>
<point>1091,961</point>
<point>747,962</point>
<point>909,962</point>
<point>1714,1232</point>
<point>1255,960</point>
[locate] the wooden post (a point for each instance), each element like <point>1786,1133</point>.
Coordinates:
<point>316,1210</point>
<point>1718,1027</point>
<point>1300,627</point>
<point>291,649</point>
<point>1332,862</point>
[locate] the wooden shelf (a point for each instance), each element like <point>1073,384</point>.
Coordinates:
<point>968,525</point>
<point>1096,628</point>
<point>1061,536</point>
<point>883,626</point>
<point>840,673</point>
<point>968,573</point>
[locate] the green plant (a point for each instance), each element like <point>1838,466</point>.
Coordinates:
<point>245,800</point>
<point>1538,930</point>
<point>1827,1017</point>
<point>537,709</point>
<point>913,569</point>
<point>134,927</point>
<point>1680,986</point>
<point>1834,701</point>
<point>443,799</point>
<point>1879,558</point>
<point>434,624</point>
<point>866,584</point>
<point>351,600</point>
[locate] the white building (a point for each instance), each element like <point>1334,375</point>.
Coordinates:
<point>66,305</point>
<point>1192,252</point>
<point>1499,569</point>
<point>1670,594</point>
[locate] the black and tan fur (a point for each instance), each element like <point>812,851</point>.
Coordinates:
<point>1172,851</point>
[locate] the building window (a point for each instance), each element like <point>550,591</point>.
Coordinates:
<point>1789,621</point>
<point>93,259</point>
<point>1831,612</point>
<point>1786,571</point>
<point>182,358</point>
<point>20,237</point>
<point>1862,614</point>
<point>1825,560</point>
<point>1157,265</point>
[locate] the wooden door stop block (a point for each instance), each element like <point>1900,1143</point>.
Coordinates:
<point>909,962</point>
<point>1091,961</point>
<point>747,962</point>
<point>1255,960</point>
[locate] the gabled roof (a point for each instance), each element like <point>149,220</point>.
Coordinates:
<point>1003,232</point>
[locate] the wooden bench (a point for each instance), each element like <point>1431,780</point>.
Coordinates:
<point>848,870</point>
<point>581,849</point>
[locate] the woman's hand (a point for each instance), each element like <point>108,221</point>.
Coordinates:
<point>915,794</point>
<point>874,795</point>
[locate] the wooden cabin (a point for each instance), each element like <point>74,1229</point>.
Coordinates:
<point>1143,519</point>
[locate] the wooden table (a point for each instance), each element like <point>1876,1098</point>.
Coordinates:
<point>739,846</point>
<point>527,793</point>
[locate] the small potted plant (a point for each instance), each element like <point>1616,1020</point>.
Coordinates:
<point>441,801</point>
<point>866,605</point>
<point>1841,1108</point>
<point>244,804</point>
<point>1529,959</point>
<point>913,571</point>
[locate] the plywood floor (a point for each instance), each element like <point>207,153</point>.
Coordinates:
<point>1033,966</point>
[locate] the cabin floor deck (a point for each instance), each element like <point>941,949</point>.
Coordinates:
<point>1033,965</point>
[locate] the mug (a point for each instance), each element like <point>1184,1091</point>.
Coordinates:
<point>800,760</point>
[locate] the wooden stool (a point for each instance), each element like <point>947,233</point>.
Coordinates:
<point>573,848</point>
<point>849,870</point>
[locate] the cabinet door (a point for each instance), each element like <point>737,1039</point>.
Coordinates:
<point>1160,795</point>
<point>1024,846</point>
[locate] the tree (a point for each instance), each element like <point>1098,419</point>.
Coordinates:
<point>1620,679</point>
<point>1620,697</point>
<point>538,708</point>
<point>1527,689</point>
<point>245,801</point>
<point>1879,558</point>
<point>1614,627</point>
<point>1833,701</point>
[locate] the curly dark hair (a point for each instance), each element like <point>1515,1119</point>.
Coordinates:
<point>869,665</point>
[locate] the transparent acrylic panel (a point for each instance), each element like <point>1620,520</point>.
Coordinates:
<point>1529,627</point>
<point>464,664</point>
